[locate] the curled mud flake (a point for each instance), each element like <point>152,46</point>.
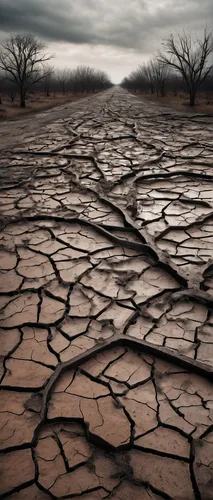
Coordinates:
<point>189,311</point>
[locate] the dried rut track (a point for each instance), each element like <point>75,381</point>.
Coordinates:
<point>106,305</point>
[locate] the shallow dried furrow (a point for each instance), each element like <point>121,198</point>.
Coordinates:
<point>106,304</point>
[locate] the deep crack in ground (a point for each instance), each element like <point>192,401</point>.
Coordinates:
<point>106,295</point>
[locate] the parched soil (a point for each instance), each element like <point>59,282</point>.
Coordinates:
<point>106,296</point>
<point>35,103</point>
<point>180,102</point>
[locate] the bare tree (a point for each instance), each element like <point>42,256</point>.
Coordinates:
<point>160,74</point>
<point>63,77</point>
<point>86,79</point>
<point>136,80</point>
<point>48,73</point>
<point>11,94</point>
<point>1,80</point>
<point>189,58</point>
<point>83,79</point>
<point>174,82</point>
<point>102,80</point>
<point>149,73</point>
<point>21,58</point>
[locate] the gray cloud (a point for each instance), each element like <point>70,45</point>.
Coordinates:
<point>113,27</point>
<point>130,24</point>
<point>84,21</point>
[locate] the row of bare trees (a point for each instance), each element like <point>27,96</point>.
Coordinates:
<point>81,79</point>
<point>23,65</point>
<point>184,63</point>
<point>148,77</point>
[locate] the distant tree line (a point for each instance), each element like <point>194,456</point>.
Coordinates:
<point>24,66</point>
<point>184,64</point>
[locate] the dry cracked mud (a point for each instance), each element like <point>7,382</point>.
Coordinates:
<point>106,303</point>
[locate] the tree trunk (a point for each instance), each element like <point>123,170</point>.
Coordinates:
<point>162,91</point>
<point>192,98</point>
<point>22,99</point>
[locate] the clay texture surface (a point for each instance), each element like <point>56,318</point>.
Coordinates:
<point>106,304</point>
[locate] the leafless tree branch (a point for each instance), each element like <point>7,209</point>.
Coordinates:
<point>22,60</point>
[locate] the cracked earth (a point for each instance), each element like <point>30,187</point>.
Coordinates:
<point>106,297</point>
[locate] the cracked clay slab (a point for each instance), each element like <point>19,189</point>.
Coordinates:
<point>106,285</point>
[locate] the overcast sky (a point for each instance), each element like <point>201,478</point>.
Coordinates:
<point>113,35</point>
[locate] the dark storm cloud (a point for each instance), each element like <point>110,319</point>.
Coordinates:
<point>135,24</point>
<point>49,21</point>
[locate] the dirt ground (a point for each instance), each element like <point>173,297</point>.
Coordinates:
<point>35,102</point>
<point>204,102</point>
<point>106,303</point>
